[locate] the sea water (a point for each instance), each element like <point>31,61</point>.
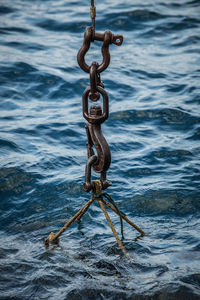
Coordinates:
<point>153,132</point>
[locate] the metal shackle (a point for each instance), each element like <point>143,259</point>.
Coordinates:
<point>107,38</point>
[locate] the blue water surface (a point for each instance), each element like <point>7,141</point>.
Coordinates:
<point>153,131</point>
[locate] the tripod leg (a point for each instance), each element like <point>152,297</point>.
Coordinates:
<point>112,227</point>
<point>83,211</point>
<point>124,217</point>
<point>54,237</point>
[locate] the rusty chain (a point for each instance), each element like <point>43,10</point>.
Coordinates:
<point>94,114</point>
<point>95,117</point>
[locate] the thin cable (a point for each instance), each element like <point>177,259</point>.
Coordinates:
<point>109,198</point>
<point>93,16</point>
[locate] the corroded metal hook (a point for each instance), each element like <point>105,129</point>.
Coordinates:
<point>100,162</point>
<point>96,139</point>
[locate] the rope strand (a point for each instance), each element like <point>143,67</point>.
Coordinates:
<point>93,16</point>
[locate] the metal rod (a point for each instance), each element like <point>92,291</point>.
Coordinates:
<point>53,237</point>
<point>112,227</point>
<point>124,217</point>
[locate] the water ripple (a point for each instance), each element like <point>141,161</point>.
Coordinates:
<point>153,132</point>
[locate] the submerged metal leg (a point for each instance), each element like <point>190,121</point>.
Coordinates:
<point>124,217</point>
<point>54,237</point>
<point>112,228</point>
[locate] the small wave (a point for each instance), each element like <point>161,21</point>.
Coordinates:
<point>127,19</point>
<point>14,181</point>
<point>168,27</point>
<point>7,30</point>
<point>9,145</point>
<point>165,116</point>
<point>26,46</point>
<point>53,25</point>
<point>166,153</point>
<point>193,3</point>
<point>6,10</point>
<point>195,134</point>
<point>165,202</point>
<point>186,41</point>
<point>16,72</point>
